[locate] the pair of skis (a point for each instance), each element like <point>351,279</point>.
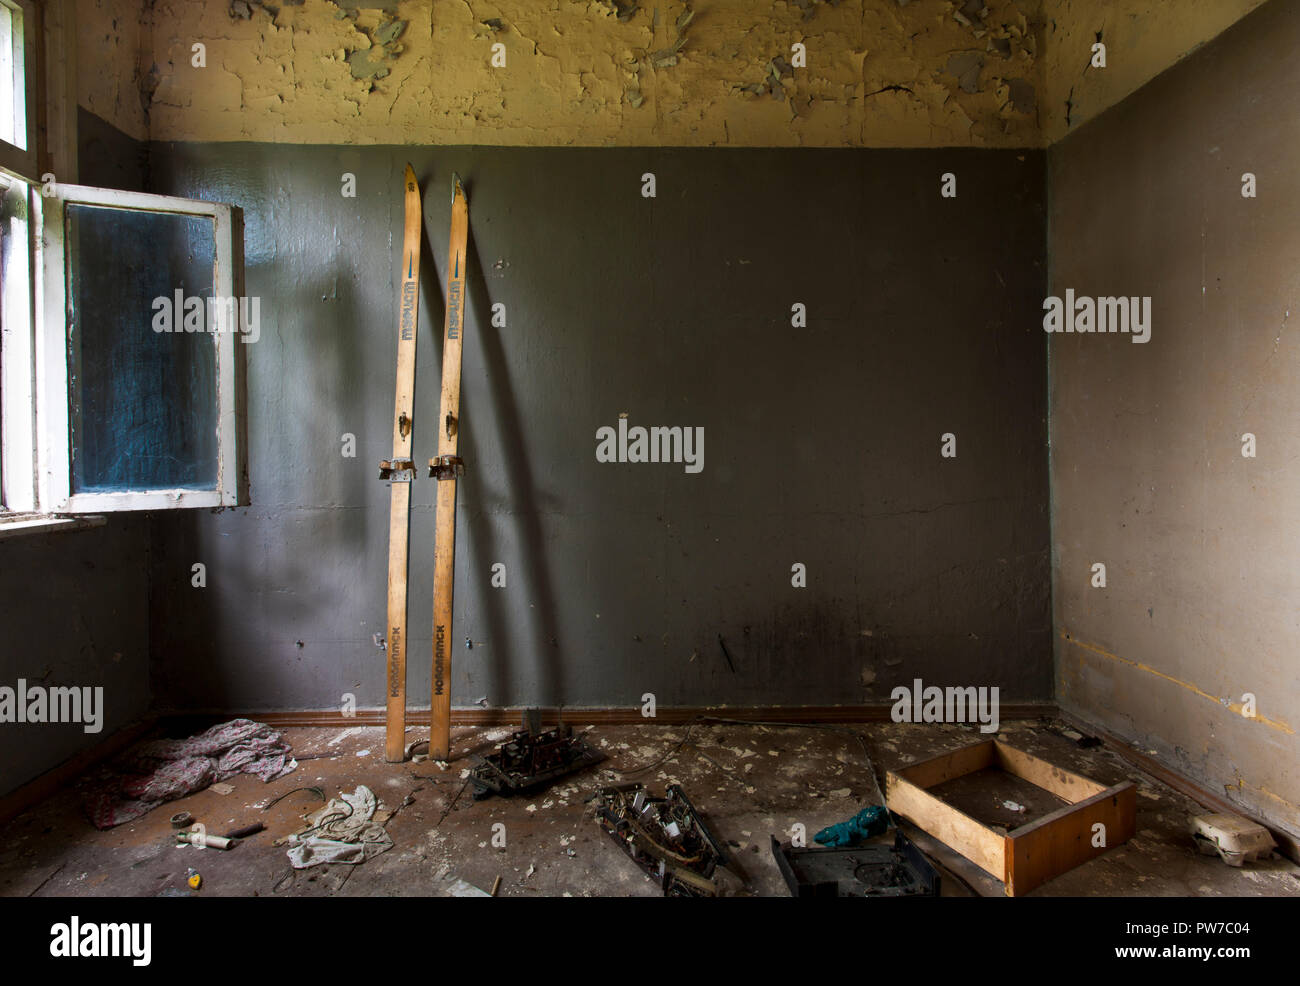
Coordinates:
<point>400,472</point>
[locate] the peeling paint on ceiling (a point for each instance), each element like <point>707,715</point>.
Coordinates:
<point>1142,39</point>
<point>878,73</point>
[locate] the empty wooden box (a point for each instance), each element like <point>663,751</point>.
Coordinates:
<point>1030,854</point>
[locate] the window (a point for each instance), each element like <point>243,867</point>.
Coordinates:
<point>123,325</point>
<point>17,54</point>
<point>139,355</point>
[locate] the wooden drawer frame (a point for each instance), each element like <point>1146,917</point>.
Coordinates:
<point>1036,852</point>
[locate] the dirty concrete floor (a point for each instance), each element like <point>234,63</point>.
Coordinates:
<point>750,781</point>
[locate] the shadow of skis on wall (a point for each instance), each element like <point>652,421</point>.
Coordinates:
<point>520,494</point>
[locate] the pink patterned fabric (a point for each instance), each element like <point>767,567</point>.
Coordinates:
<point>156,771</point>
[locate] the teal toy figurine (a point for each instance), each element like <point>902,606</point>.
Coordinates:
<point>866,823</point>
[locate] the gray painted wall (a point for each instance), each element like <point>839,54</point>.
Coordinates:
<point>822,444</point>
<point>1202,546</point>
<point>76,614</point>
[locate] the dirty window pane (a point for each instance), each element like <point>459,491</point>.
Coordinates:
<point>144,405</point>
<point>8,121</point>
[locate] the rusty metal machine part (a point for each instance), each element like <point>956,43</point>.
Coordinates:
<point>531,759</point>
<point>665,837</point>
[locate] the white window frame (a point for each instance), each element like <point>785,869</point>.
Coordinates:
<point>54,473</point>
<point>17,355</point>
<point>23,159</point>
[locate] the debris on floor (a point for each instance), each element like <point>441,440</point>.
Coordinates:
<point>1072,734</point>
<point>463,889</point>
<point>317,791</point>
<point>665,837</point>
<point>1237,840</point>
<point>243,833</point>
<point>530,760</point>
<point>157,771</point>
<point>204,840</point>
<point>342,831</point>
<point>873,870</point>
<point>52,851</point>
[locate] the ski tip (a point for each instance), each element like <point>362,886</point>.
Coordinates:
<point>457,188</point>
<point>411,185</point>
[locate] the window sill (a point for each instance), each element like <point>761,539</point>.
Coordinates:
<point>46,525</point>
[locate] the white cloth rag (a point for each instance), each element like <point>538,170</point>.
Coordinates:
<point>343,831</point>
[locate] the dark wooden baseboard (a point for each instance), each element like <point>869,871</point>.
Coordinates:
<point>49,783</point>
<point>1287,843</point>
<point>674,715</point>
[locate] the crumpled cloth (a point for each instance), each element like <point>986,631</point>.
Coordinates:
<point>343,831</point>
<point>156,771</point>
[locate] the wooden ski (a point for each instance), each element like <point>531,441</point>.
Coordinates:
<point>399,471</point>
<point>445,468</point>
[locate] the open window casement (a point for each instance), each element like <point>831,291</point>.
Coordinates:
<point>139,360</point>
